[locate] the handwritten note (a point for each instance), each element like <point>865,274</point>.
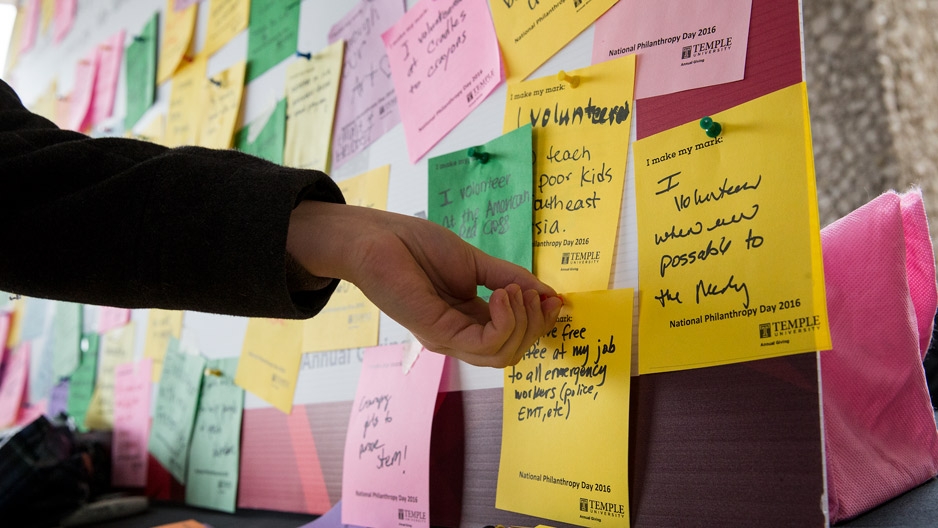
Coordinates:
<point>565,424</point>
<point>176,400</point>
<point>13,384</point>
<point>487,203</point>
<point>720,222</point>
<point>367,104</point>
<point>444,62</point>
<point>312,89</point>
<point>140,65</point>
<point>82,92</point>
<point>350,320</point>
<point>270,360</point>
<point>265,136</point>
<point>81,383</point>
<point>222,104</point>
<point>161,326</point>
<point>226,18</point>
<point>531,31</point>
<point>66,338</point>
<point>116,347</point>
<point>186,103</point>
<point>216,439</point>
<point>64,18</point>
<point>110,318</point>
<point>178,29</point>
<point>682,45</point>
<point>110,56</point>
<point>272,34</point>
<point>131,424</point>
<point>386,472</point>
<point>579,169</point>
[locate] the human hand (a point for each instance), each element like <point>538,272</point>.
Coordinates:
<point>424,277</point>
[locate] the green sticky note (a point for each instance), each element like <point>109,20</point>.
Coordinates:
<point>487,199</point>
<point>140,62</point>
<point>66,339</point>
<point>272,34</point>
<point>265,136</point>
<point>81,382</point>
<point>215,450</point>
<point>176,402</point>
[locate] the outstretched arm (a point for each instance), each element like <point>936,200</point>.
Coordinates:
<point>425,277</point>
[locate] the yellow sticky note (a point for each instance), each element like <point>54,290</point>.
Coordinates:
<point>47,103</point>
<point>565,424</point>
<point>178,28</point>
<point>222,106</point>
<point>729,247</point>
<point>312,90</point>
<point>581,139</point>
<point>154,131</point>
<point>16,322</point>
<point>270,360</point>
<point>161,325</point>
<point>186,104</point>
<point>530,32</point>
<point>350,320</point>
<point>117,346</point>
<point>226,18</point>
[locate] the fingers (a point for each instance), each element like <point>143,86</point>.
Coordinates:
<point>496,273</point>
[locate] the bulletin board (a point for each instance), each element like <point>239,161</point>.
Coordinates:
<point>732,444</point>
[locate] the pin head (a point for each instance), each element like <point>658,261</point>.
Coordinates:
<point>574,80</point>
<point>308,55</point>
<point>711,127</point>
<point>478,154</point>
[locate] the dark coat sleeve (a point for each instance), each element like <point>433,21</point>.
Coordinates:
<point>127,223</point>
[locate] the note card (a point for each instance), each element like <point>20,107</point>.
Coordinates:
<point>175,40</point>
<point>444,62</point>
<point>81,383</point>
<point>131,424</point>
<point>216,439</point>
<point>265,136</point>
<point>110,57</point>
<point>565,432</point>
<point>66,338</point>
<point>161,326</point>
<point>116,347</point>
<point>367,104</point>
<point>64,18</point>
<point>580,150</point>
<point>350,319</point>
<point>140,67</point>
<point>681,45</point>
<point>13,384</point>
<point>270,360</point>
<point>176,403</point>
<point>531,31</point>
<point>728,239</point>
<point>41,370</point>
<point>82,96</point>
<point>386,472</point>
<point>226,18</point>
<point>110,318</point>
<point>222,104</point>
<point>487,199</point>
<point>186,103</point>
<point>273,29</point>
<point>312,89</point>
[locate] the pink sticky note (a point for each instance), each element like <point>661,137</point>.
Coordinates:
<point>4,335</point>
<point>387,447</point>
<point>83,92</point>
<point>680,45</point>
<point>367,104</point>
<point>131,424</point>
<point>13,384</point>
<point>64,18</point>
<point>111,53</point>
<point>30,25</point>
<point>110,318</point>
<point>180,5</point>
<point>444,62</point>
<point>30,411</point>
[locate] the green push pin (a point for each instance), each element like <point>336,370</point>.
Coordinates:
<point>477,154</point>
<point>711,127</point>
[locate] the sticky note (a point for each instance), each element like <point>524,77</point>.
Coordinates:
<point>81,383</point>
<point>367,104</point>
<point>312,89</point>
<point>41,369</point>
<point>720,222</point>
<point>680,45</point>
<point>116,347</point>
<point>186,104</point>
<point>66,338</point>
<point>175,40</point>
<point>349,319</point>
<point>161,326</point>
<point>387,447</point>
<point>487,203</point>
<point>131,424</point>
<point>58,400</point>
<point>270,360</point>
<point>110,318</point>
<point>110,57</point>
<point>215,450</point>
<point>13,384</point>
<point>30,26</point>
<point>140,65</point>
<point>176,402</point>
<point>273,28</point>
<point>222,105</point>
<point>265,136</point>
<point>64,18</point>
<point>530,32</point>
<point>580,137</point>
<point>226,18</point>
<point>565,423</point>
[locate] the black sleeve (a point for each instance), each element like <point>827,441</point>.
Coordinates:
<point>126,223</point>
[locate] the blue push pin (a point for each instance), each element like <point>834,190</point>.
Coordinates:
<point>711,127</point>
<point>308,55</point>
<point>478,154</point>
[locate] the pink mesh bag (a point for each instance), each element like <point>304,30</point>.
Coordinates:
<point>879,426</point>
